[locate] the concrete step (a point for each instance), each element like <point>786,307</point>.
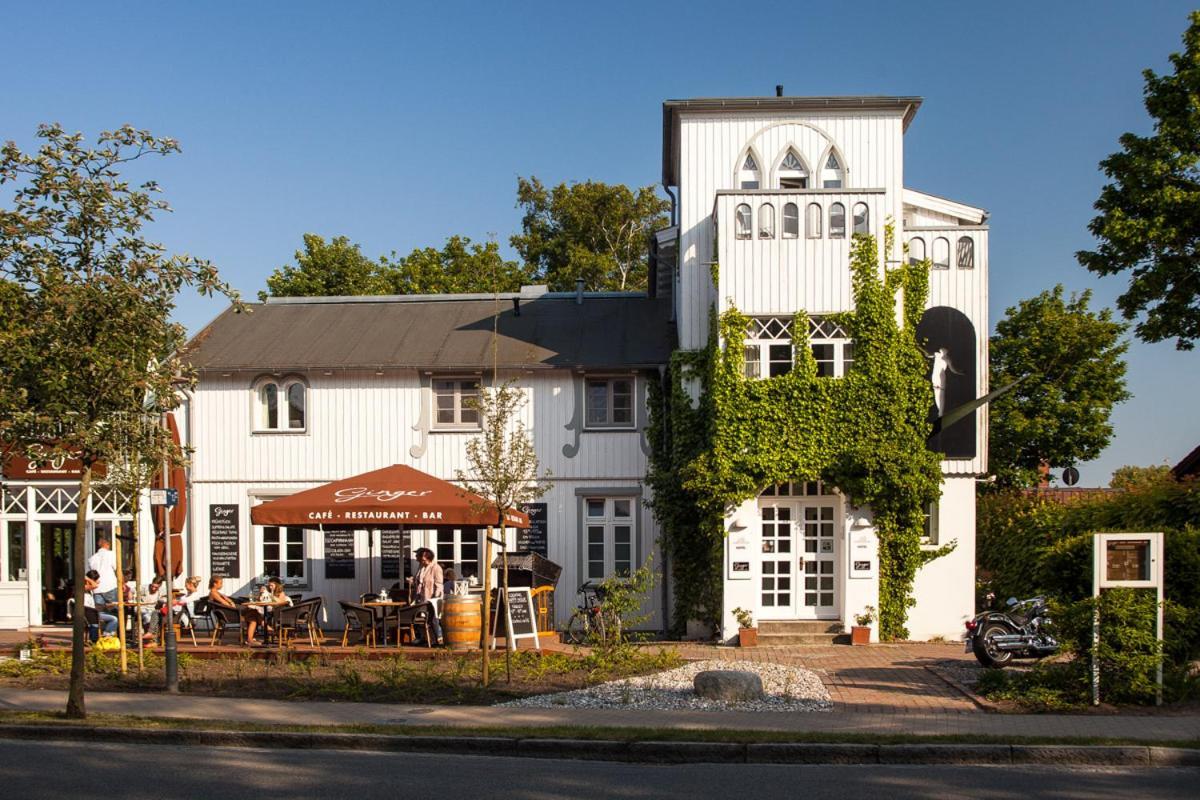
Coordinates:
<point>792,639</point>
<point>799,626</point>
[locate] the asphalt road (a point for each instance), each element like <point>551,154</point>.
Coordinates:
<point>72,769</point>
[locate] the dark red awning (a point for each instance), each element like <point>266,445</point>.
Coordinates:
<point>388,497</point>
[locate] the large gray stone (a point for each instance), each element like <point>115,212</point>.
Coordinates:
<point>728,684</point>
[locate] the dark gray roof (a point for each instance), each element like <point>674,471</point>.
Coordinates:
<point>607,330</point>
<point>672,108</point>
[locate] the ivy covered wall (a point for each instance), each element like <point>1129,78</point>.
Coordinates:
<point>864,433</point>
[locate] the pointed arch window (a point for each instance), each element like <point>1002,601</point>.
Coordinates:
<point>941,253</point>
<point>766,221</point>
<point>965,255</point>
<point>749,176</point>
<point>837,221</point>
<point>791,220</point>
<point>916,250</point>
<point>812,221</point>
<point>831,174</point>
<point>862,218</point>
<point>742,221</point>
<point>792,173</point>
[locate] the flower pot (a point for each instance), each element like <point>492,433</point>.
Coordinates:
<point>860,634</point>
<point>748,637</point>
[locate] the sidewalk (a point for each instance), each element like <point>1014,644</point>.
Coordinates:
<point>1140,728</point>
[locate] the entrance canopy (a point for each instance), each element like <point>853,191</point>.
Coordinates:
<point>388,497</point>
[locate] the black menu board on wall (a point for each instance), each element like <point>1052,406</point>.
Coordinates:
<point>393,545</point>
<point>224,541</point>
<point>339,554</point>
<point>536,537</point>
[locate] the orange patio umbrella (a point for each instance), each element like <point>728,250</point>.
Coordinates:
<point>393,496</point>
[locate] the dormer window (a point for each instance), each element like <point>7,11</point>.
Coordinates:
<point>749,176</point>
<point>742,222</point>
<point>831,175</point>
<point>792,172</point>
<point>766,221</point>
<point>280,404</point>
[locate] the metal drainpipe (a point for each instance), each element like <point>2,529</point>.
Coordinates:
<point>189,417</point>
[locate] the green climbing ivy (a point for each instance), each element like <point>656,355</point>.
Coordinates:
<point>864,433</point>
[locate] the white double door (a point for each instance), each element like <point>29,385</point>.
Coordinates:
<point>801,547</point>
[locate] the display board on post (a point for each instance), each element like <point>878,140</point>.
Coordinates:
<point>1132,561</point>
<point>519,615</point>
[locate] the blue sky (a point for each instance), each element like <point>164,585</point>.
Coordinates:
<point>398,125</point>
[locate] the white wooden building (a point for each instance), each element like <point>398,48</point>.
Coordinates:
<point>772,189</point>
<point>308,390</point>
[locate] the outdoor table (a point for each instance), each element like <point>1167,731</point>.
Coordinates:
<point>386,605</point>
<point>266,606</point>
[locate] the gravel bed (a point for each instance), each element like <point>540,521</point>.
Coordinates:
<point>784,689</point>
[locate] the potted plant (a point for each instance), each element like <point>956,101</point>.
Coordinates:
<point>747,633</point>
<point>860,632</point>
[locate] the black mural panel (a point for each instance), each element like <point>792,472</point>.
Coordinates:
<point>948,338</point>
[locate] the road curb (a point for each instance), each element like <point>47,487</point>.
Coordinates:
<point>644,752</point>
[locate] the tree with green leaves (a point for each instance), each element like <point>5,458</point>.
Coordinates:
<point>502,469</point>
<point>1133,478</point>
<point>327,269</point>
<point>460,267</point>
<point>1149,211</point>
<point>1071,366</point>
<point>595,231</point>
<point>92,300</point>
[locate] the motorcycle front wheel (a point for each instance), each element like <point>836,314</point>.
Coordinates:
<point>986,652</point>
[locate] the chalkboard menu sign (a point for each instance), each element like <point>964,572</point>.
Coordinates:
<point>537,536</point>
<point>224,541</point>
<point>520,618</point>
<point>393,544</point>
<point>339,554</point>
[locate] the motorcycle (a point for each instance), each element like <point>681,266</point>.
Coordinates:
<point>997,637</point>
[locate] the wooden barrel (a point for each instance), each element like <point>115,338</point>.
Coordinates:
<point>462,621</point>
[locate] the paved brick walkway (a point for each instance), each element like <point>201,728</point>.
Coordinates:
<point>878,679</point>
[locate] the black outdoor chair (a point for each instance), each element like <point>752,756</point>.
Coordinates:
<point>410,618</point>
<point>360,619</point>
<point>202,613</point>
<point>223,619</point>
<point>305,617</point>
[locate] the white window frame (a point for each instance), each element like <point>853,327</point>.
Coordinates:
<point>764,346</point>
<point>284,534</point>
<point>824,332</point>
<point>931,524</point>
<point>460,409</point>
<point>916,250</point>
<point>814,217</point>
<point>766,221</point>
<point>795,178</point>
<point>832,178</point>
<point>835,231</point>
<point>609,423</point>
<point>283,388</point>
<point>865,225</point>
<point>792,230</point>
<point>604,533</point>
<point>750,179</point>
<point>964,253</point>
<point>942,244</point>
<point>743,221</point>
<point>453,540</point>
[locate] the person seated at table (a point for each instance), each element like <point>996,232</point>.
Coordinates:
<point>151,614</point>
<point>428,588</point>
<point>256,614</point>
<point>91,580</point>
<point>185,605</point>
<point>451,578</point>
<point>215,596</point>
<point>130,593</point>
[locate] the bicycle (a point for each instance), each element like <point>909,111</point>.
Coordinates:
<point>590,622</point>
